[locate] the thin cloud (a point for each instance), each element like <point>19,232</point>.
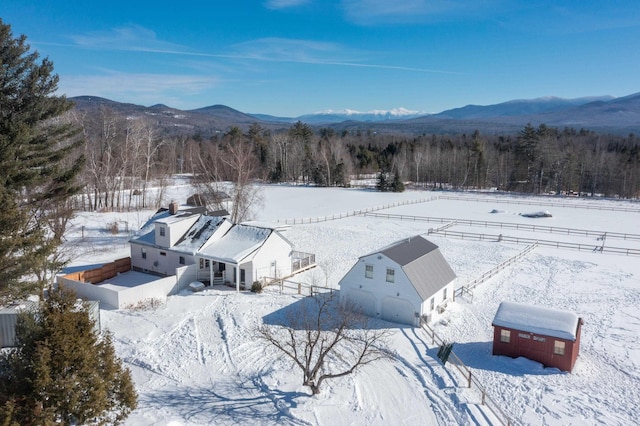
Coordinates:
<point>129,38</point>
<point>367,12</point>
<point>313,52</point>
<point>284,4</point>
<point>153,88</point>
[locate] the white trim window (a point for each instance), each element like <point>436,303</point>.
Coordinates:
<point>368,271</point>
<point>505,336</point>
<point>391,275</point>
<point>558,347</point>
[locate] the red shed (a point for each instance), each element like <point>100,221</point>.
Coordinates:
<point>548,336</point>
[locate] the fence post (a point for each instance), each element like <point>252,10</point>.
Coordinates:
<point>299,288</point>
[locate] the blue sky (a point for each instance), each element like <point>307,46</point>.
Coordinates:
<point>292,57</point>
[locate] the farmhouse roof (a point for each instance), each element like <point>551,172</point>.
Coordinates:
<point>237,244</point>
<point>423,263</point>
<point>199,234</point>
<point>537,319</point>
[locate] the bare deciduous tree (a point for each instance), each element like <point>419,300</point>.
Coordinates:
<point>326,340</point>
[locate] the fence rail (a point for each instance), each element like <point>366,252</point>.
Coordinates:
<point>302,221</point>
<point>297,287</point>
<point>547,243</point>
<point>510,225</point>
<point>467,288</point>
<point>466,372</point>
<point>538,202</point>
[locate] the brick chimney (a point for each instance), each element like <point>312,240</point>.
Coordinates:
<point>173,207</point>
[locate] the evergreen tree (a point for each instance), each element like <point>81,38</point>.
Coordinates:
<point>63,370</point>
<point>37,163</point>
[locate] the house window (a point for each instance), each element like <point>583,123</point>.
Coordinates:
<point>391,275</point>
<point>182,260</point>
<point>163,253</point>
<point>433,303</point>
<point>558,347</point>
<point>444,294</point>
<point>505,336</point>
<point>144,253</point>
<point>201,263</point>
<point>162,231</point>
<point>368,271</point>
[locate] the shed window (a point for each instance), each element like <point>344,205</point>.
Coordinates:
<point>505,336</point>
<point>144,253</point>
<point>162,231</point>
<point>391,275</point>
<point>558,347</point>
<point>368,271</point>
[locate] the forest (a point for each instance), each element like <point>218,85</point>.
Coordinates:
<point>126,155</point>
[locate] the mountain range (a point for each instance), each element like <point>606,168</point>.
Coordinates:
<point>603,114</point>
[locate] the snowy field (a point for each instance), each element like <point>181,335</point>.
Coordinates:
<point>195,360</point>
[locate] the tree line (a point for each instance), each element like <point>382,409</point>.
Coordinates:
<point>125,155</point>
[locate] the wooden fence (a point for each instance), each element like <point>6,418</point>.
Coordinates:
<point>510,225</point>
<point>468,288</point>
<point>297,287</point>
<point>319,219</point>
<point>547,243</point>
<point>465,371</point>
<point>539,202</point>
<point>105,272</point>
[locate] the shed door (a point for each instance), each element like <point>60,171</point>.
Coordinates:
<point>362,300</point>
<point>398,310</point>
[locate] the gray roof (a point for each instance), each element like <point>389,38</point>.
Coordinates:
<point>423,263</point>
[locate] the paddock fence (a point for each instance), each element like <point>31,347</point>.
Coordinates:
<point>538,202</point>
<point>509,225</point>
<point>471,285</point>
<point>470,378</point>
<point>287,286</point>
<point>546,243</point>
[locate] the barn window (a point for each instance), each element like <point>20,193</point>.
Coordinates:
<point>391,275</point>
<point>433,303</point>
<point>558,347</point>
<point>505,336</point>
<point>182,260</point>
<point>368,271</point>
<point>144,253</point>
<point>444,294</point>
<point>162,231</point>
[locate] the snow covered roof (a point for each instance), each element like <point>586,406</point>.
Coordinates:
<point>198,234</point>
<point>237,244</point>
<point>536,319</point>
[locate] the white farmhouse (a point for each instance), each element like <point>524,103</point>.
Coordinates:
<point>171,239</point>
<point>401,283</point>
<point>246,254</point>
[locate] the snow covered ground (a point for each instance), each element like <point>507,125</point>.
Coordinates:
<point>195,360</point>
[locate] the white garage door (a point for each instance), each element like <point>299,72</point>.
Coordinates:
<point>364,301</point>
<point>398,310</point>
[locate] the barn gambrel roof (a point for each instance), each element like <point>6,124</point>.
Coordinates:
<point>422,262</point>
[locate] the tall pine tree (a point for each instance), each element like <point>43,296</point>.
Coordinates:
<point>37,162</point>
<point>62,370</point>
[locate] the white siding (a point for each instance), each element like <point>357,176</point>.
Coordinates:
<point>275,250</point>
<point>378,286</point>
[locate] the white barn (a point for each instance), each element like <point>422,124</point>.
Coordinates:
<point>400,283</point>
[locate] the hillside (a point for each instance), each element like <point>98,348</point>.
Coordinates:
<point>603,114</point>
